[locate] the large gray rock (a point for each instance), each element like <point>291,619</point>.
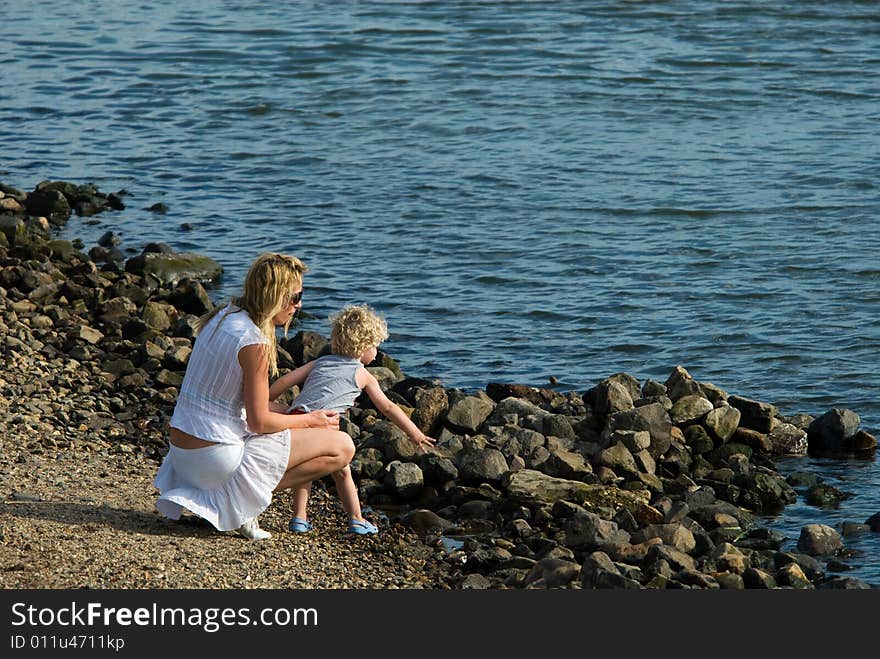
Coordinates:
<point>529,485</point>
<point>653,418</point>
<point>481,465</point>
<point>468,414</point>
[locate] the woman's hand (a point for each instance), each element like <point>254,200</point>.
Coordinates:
<point>324,419</point>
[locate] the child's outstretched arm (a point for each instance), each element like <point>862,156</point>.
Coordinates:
<point>286,381</point>
<point>392,411</point>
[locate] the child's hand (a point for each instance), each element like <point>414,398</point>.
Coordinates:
<point>422,441</point>
<point>324,419</point>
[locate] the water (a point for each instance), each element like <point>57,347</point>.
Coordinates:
<point>526,190</point>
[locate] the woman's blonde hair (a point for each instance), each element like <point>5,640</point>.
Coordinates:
<point>356,329</point>
<point>268,285</point>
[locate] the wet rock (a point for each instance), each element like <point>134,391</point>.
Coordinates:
<point>48,203</point>
<point>819,540</point>
<point>831,433</point>
<point>755,415</point>
<point>788,439</point>
<point>825,496</point>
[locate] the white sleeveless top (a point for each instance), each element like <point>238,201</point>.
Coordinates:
<point>210,405</point>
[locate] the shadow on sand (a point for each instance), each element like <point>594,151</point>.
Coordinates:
<point>93,516</point>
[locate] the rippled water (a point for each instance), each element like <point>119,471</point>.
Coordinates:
<point>527,190</point>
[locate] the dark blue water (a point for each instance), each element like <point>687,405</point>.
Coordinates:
<point>526,190</point>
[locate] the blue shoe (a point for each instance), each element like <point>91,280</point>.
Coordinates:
<point>362,528</point>
<point>299,525</point>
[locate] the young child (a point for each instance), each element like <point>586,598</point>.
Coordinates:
<point>333,382</point>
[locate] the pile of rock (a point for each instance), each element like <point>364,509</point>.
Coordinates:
<point>626,485</point>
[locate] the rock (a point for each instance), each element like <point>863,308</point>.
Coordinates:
<point>306,346</point>
<point>618,458</point>
<point>403,478</point>
<point>169,269</point>
<point>481,465</point>
<point>553,572</point>
<point>722,422</point>
<point>609,397</point>
<point>430,405</point>
<point>755,415</point>
<point>87,334</point>
<point>529,485</point>
<point>49,203</point>
<point>680,383</point>
<point>468,414</point>
<point>652,418</point>
<point>690,408</point>
<point>833,433</point>
<point>788,439</point>
<point>819,540</point>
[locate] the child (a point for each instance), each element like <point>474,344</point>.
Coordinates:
<point>333,382</point>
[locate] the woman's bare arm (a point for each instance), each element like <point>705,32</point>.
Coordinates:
<point>260,417</point>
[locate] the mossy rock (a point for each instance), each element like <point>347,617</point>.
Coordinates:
<point>169,269</point>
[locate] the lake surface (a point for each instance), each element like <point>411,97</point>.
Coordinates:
<point>525,190</point>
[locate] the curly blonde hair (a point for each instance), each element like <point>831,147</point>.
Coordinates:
<point>270,281</point>
<point>356,329</point>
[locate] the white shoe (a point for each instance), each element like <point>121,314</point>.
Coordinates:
<point>252,531</point>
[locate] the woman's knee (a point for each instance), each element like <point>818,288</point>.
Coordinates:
<point>345,447</point>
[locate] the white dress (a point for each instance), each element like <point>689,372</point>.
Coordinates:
<point>210,406</point>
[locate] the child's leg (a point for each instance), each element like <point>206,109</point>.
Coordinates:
<point>301,500</point>
<point>347,491</point>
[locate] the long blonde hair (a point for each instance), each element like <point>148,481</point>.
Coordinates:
<point>268,284</point>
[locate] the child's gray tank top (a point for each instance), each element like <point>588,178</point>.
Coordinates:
<point>330,385</point>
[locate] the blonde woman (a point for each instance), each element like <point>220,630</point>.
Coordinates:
<point>333,382</point>
<point>230,448</point>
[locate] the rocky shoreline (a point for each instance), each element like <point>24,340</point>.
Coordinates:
<point>628,484</point>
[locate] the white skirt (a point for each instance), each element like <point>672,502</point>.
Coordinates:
<point>226,484</point>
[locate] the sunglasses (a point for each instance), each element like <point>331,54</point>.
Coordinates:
<point>294,299</point>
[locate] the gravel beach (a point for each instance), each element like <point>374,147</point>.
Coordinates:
<point>82,518</point>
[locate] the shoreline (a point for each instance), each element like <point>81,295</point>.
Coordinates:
<point>627,485</point>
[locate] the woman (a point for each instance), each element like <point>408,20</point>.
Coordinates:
<point>230,447</point>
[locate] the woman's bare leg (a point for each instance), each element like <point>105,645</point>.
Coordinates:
<point>301,500</point>
<point>314,453</point>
